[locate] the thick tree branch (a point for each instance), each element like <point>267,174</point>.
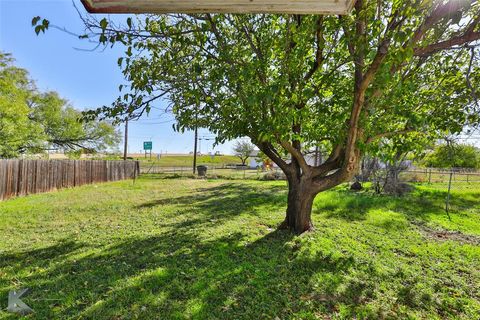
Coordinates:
<point>295,154</point>
<point>333,162</point>
<point>447,44</point>
<point>388,134</point>
<point>218,37</point>
<point>322,183</point>
<point>326,167</point>
<point>249,38</point>
<point>319,50</point>
<point>469,83</point>
<point>255,49</point>
<point>362,81</point>
<point>440,12</point>
<point>348,34</point>
<point>360,86</point>
<point>382,51</point>
<point>270,151</point>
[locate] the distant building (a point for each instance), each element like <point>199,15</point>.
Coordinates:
<point>254,161</point>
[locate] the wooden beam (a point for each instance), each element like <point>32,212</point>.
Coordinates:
<point>220,6</point>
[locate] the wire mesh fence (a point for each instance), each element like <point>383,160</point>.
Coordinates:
<point>214,171</point>
<point>443,179</point>
<point>450,183</point>
<point>462,179</point>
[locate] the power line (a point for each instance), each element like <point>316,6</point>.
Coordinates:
<point>155,123</point>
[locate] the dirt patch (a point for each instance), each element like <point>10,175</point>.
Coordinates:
<point>444,235</point>
<point>456,236</point>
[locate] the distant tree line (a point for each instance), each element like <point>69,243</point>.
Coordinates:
<point>453,155</point>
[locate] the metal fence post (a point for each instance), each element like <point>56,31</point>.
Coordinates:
<point>430,177</point>
<point>448,195</point>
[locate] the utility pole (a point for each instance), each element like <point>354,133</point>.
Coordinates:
<point>125,147</point>
<point>196,139</point>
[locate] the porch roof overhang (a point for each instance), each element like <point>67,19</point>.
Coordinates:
<point>325,7</point>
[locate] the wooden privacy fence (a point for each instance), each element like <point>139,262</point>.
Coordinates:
<point>23,177</point>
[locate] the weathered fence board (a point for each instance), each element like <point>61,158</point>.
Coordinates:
<point>23,177</point>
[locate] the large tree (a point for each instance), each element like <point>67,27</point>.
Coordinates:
<point>32,121</point>
<point>17,132</point>
<point>65,128</point>
<point>390,70</point>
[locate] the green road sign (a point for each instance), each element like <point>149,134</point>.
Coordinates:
<point>147,145</point>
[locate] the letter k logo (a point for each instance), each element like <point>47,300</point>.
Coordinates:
<point>16,305</point>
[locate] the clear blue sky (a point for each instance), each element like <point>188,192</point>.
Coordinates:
<point>86,78</point>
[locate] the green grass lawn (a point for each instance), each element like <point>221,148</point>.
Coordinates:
<point>196,249</point>
<point>187,160</point>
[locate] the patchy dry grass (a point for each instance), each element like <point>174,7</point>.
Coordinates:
<point>196,249</point>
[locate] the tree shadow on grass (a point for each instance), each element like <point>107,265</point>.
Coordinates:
<point>178,275</point>
<point>33,258</point>
<point>239,193</point>
<point>24,264</point>
<point>184,273</point>
<point>213,204</point>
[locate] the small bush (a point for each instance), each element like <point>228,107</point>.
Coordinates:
<point>270,176</point>
<point>415,177</point>
<point>178,176</point>
<point>398,189</point>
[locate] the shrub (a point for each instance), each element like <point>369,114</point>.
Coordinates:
<point>454,156</point>
<point>270,176</point>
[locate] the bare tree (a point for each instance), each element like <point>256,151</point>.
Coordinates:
<point>243,150</point>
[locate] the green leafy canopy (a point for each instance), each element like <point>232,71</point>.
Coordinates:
<point>32,121</point>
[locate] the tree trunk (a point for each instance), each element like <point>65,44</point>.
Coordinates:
<point>299,207</point>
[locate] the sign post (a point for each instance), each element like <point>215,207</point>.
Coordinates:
<point>148,146</point>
